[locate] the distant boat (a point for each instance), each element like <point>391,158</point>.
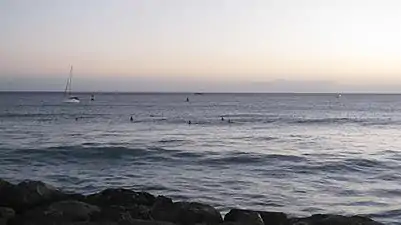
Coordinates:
<point>339,96</point>
<point>68,97</point>
<point>198,93</point>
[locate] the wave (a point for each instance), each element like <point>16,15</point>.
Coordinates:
<point>240,119</point>
<point>354,165</point>
<point>329,121</point>
<point>50,115</point>
<point>92,152</point>
<point>263,162</point>
<point>237,158</point>
<point>81,153</point>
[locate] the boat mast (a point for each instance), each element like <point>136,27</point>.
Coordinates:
<point>67,91</point>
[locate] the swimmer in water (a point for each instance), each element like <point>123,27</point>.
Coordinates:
<point>189,122</point>
<point>131,119</point>
<point>187,99</point>
<point>222,118</point>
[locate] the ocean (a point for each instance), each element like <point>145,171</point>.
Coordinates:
<point>297,153</point>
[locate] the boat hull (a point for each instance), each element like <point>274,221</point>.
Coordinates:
<point>71,100</point>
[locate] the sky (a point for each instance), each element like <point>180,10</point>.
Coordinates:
<point>201,45</point>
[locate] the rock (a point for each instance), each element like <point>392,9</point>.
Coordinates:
<point>27,194</point>
<point>193,212</point>
<point>326,219</point>
<point>72,210</point>
<point>121,197</point>
<point>242,216</point>
<point>120,213</point>
<point>64,212</point>
<point>112,213</point>
<point>6,213</point>
<point>162,209</point>
<point>187,213</point>
<point>274,218</point>
<point>132,222</point>
<point>6,192</point>
<point>147,222</point>
<point>4,184</point>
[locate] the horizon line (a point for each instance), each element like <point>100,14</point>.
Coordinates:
<point>201,93</point>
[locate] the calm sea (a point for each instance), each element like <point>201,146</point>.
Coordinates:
<point>296,153</point>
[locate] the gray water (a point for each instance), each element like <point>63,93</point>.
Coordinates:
<point>296,153</point>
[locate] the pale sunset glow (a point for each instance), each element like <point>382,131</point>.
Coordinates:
<point>349,42</point>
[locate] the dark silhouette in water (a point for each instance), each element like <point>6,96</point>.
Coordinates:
<point>131,119</point>
<point>187,99</point>
<point>92,98</point>
<point>189,122</point>
<point>222,118</point>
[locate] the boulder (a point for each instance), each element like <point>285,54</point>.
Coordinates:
<point>162,209</point>
<point>4,184</point>
<point>6,213</point>
<point>27,194</point>
<point>187,213</point>
<point>121,213</point>
<point>112,213</point>
<point>242,216</point>
<point>72,210</point>
<point>63,212</point>
<point>6,192</point>
<point>121,197</point>
<point>326,219</point>
<point>147,222</point>
<point>193,212</point>
<point>274,218</point>
<point>132,222</point>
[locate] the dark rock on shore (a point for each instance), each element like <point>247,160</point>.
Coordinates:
<point>72,210</point>
<point>59,212</point>
<point>274,218</point>
<point>121,213</point>
<point>244,217</point>
<point>325,219</point>
<point>122,197</point>
<point>256,217</point>
<point>187,213</point>
<point>27,194</point>
<point>6,214</point>
<point>37,203</point>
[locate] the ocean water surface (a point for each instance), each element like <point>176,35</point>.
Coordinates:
<point>296,153</point>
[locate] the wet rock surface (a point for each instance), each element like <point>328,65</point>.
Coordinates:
<point>244,217</point>
<point>165,209</point>
<point>37,203</point>
<point>325,219</point>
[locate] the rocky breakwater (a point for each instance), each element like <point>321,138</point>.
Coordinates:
<point>37,203</point>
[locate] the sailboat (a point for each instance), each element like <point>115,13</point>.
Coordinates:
<point>68,98</point>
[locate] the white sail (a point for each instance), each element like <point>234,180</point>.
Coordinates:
<point>68,98</point>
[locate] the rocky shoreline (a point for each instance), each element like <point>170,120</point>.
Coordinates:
<point>37,203</point>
